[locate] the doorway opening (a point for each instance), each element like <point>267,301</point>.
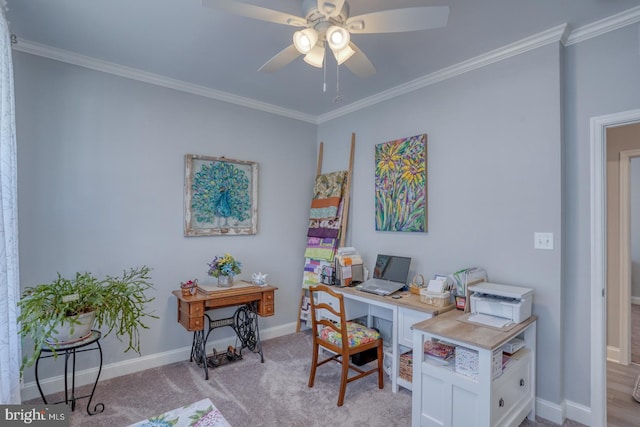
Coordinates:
<point>599,126</point>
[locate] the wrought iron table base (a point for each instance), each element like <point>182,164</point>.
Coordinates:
<point>70,351</point>
<point>245,324</point>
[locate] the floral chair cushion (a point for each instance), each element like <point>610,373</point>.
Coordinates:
<point>357,333</point>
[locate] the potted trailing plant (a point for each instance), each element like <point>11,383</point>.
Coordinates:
<point>117,302</point>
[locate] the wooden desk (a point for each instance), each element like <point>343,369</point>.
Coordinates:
<point>253,301</point>
<point>402,313</point>
<point>407,300</point>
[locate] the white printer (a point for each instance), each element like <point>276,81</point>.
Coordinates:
<point>511,303</point>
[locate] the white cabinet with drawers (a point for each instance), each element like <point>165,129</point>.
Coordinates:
<point>491,397</point>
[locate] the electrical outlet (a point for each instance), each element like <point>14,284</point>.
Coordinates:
<point>543,241</point>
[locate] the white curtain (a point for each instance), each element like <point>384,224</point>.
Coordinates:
<point>10,350</point>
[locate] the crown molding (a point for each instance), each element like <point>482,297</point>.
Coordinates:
<point>155,79</point>
<point>603,26</point>
<point>561,33</point>
<point>552,35</point>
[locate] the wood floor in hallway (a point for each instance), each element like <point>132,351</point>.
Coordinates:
<point>622,409</point>
<point>635,333</point>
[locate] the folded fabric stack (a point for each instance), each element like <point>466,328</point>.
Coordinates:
<point>313,270</point>
<point>320,248</point>
<point>351,259</point>
<point>325,220</point>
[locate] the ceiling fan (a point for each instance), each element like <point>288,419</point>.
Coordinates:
<point>327,22</point>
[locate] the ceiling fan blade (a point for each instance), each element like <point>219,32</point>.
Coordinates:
<point>282,58</point>
<point>331,8</point>
<point>399,20</point>
<point>359,64</point>
<point>255,12</point>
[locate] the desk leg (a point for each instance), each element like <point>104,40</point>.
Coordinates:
<point>246,327</point>
<point>199,352</point>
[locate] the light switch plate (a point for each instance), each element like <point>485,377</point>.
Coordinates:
<point>543,240</point>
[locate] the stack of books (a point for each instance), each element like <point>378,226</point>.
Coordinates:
<point>439,351</point>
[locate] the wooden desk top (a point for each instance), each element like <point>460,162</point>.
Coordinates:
<point>450,325</point>
<point>191,308</point>
<point>408,300</point>
<point>225,292</point>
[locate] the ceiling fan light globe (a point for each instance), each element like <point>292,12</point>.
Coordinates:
<point>315,57</point>
<point>344,54</point>
<point>338,38</point>
<point>305,40</point>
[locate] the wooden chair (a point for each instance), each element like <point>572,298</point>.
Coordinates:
<point>341,337</point>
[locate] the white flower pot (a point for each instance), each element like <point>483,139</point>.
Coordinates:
<point>72,332</point>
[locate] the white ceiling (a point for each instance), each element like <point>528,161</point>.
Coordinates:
<point>185,42</point>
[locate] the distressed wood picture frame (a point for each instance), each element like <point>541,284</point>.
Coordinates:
<point>220,196</point>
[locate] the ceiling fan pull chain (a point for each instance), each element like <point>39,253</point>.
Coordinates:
<point>324,70</point>
<point>338,97</point>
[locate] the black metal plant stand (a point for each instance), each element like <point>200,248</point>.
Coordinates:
<point>69,351</point>
<point>245,324</point>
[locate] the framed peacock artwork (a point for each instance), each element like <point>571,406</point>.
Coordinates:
<point>401,185</point>
<point>220,197</point>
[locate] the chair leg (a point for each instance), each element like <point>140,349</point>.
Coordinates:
<point>314,363</point>
<point>343,379</point>
<point>380,364</point>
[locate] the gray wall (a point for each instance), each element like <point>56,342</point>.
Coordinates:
<point>101,175</point>
<point>494,144</point>
<point>601,77</point>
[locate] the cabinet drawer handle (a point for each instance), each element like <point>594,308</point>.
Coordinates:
<point>501,402</point>
<point>521,382</point>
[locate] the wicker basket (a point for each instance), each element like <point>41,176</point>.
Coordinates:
<point>187,291</point>
<point>436,299</point>
<point>417,284</point>
<point>189,288</point>
<point>406,366</point>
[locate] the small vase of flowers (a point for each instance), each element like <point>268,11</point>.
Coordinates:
<point>224,268</point>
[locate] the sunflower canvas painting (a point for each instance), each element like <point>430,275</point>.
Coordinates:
<point>401,185</point>
<point>220,196</point>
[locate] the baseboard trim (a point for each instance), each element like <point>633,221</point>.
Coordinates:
<point>550,411</point>
<point>566,410</point>
<point>579,413</point>
<point>613,354</point>
<point>56,384</point>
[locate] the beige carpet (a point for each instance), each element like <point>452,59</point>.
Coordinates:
<point>249,393</point>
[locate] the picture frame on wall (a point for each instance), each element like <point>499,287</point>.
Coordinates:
<point>401,185</point>
<point>220,196</point>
